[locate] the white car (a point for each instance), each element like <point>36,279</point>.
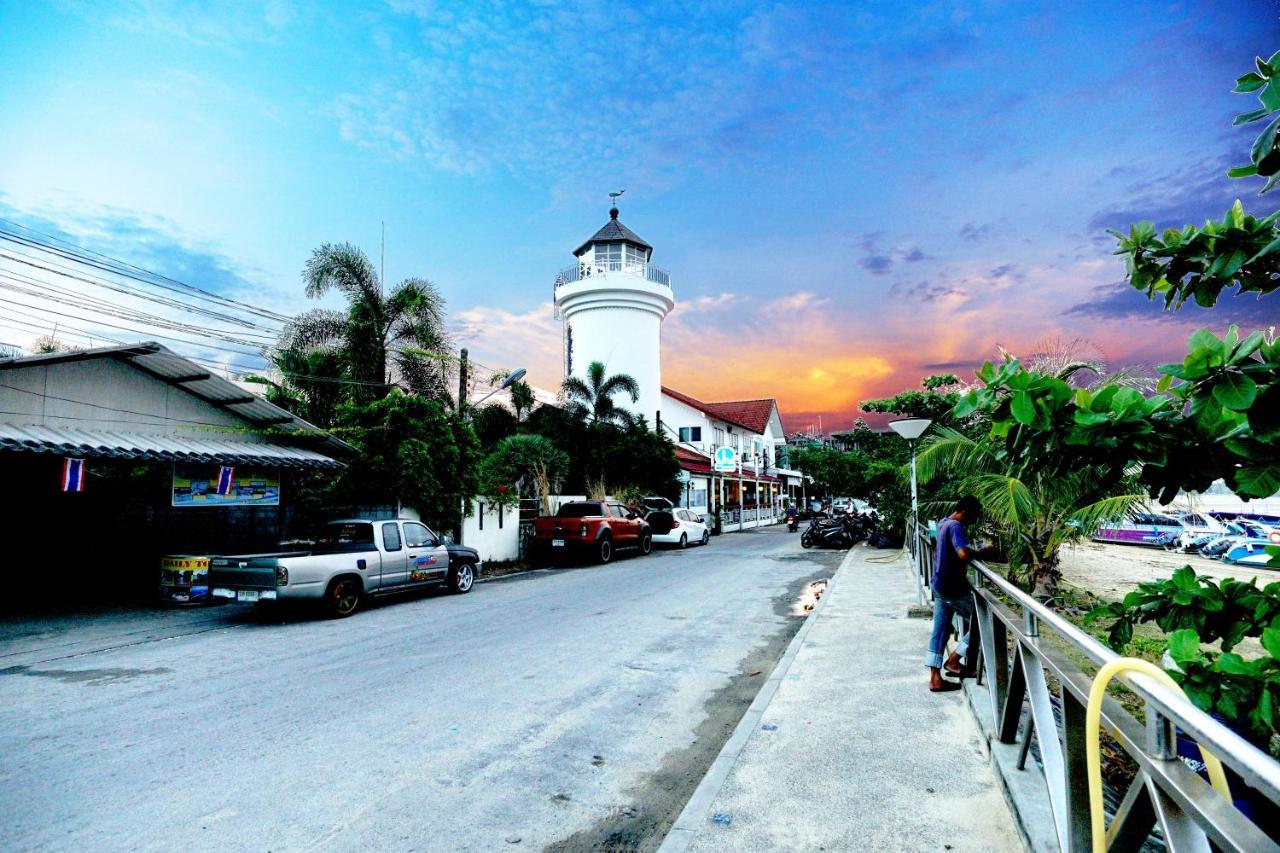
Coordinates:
<point>687,528</point>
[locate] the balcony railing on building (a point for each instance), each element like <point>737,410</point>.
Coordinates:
<point>648,272</point>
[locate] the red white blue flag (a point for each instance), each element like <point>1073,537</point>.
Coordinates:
<point>226,479</point>
<point>72,475</point>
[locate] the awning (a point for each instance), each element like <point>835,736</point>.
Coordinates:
<point>168,447</point>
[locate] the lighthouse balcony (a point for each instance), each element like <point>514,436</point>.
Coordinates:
<point>648,272</point>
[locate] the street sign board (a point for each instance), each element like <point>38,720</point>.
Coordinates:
<point>726,459</point>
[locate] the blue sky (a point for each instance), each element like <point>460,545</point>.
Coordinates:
<point>848,196</point>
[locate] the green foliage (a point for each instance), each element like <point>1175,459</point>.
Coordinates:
<point>1228,610</point>
<point>493,423</point>
<point>935,402</point>
<point>522,464</point>
<point>1241,251</point>
<point>413,451</point>
<point>592,399</point>
<point>1216,415</point>
<point>1194,610</point>
<point>1239,689</point>
<point>1264,156</point>
<point>636,457</point>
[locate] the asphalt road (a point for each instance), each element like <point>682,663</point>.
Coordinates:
<point>568,710</point>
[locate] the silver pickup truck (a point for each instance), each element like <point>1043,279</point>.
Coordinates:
<point>352,558</point>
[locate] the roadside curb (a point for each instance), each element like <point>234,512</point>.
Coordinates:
<point>693,817</point>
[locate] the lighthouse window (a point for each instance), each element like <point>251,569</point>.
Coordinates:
<point>635,257</point>
<point>609,256</point>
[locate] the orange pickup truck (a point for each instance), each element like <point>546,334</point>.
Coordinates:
<point>596,529</point>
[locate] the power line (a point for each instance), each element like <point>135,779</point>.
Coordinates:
<point>128,270</point>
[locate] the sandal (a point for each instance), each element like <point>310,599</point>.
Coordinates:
<point>947,687</point>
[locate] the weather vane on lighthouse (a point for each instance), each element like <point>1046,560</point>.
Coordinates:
<point>613,198</point>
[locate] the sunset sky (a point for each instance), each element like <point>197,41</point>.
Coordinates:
<point>848,196</point>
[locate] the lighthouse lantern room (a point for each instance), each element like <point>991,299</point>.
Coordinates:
<point>612,304</point>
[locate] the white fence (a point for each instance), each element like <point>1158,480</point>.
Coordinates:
<point>494,531</point>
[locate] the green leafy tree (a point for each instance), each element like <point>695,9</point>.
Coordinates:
<point>522,399</point>
<point>492,424</point>
<point>413,451</point>
<point>592,400</point>
<point>523,464</point>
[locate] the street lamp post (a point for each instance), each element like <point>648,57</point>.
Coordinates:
<point>911,429</point>
<point>516,376</point>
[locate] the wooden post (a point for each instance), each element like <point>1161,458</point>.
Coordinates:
<point>462,380</point>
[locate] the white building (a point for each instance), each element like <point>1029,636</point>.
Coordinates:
<point>612,304</point>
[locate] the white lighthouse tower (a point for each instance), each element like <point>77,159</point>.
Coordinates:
<point>612,304</point>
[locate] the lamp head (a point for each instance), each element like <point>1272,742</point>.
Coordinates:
<point>910,428</point>
<point>515,377</point>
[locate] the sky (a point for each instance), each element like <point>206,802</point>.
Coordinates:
<point>848,196</point>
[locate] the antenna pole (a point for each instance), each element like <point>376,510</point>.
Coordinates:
<point>382,271</point>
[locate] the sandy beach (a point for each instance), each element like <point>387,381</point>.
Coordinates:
<point>1110,571</point>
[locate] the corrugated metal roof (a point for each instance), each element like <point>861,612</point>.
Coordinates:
<point>97,444</point>
<point>168,366</point>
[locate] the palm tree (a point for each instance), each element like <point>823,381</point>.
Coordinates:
<point>592,400</point>
<point>521,399</point>
<point>1034,514</point>
<point>382,339</point>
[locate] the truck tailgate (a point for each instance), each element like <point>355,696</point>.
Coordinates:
<point>257,572</point>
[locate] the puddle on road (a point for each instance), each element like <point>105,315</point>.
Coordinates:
<point>93,677</point>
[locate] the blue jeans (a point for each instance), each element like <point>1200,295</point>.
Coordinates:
<point>944,609</point>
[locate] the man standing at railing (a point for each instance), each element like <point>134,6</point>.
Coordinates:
<point>951,594</point>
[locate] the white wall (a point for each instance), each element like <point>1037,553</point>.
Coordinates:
<point>500,537</point>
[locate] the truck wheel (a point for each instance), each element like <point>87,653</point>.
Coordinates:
<point>646,543</point>
<point>462,579</point>
<point>604,551</point>
<point>343,597</point>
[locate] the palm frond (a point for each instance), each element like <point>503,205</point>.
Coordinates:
<point>316,329</point>
<point>576,391</point>
<point>1085,520</point>
<point>345,267</point>
<point>621,382</point>
<point>1007,500</point>
<point>949,451</point>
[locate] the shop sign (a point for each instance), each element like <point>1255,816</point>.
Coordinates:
<point>213,485</point>
<point>726,460</point>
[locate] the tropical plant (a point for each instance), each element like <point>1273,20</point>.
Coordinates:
<point>523,463</point>
<point>413,452</point>
<point>591,399</point>
<point>1033,513</point>
<point>522,399</point>
<point>381,339</point>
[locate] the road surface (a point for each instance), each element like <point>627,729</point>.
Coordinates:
<point>566,710</point>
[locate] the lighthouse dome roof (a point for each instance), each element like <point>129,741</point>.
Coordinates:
<point>614,232</point>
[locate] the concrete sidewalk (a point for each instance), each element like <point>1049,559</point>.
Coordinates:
<point>852,751</point>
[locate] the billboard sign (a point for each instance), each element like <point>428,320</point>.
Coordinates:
<point>213,485</point>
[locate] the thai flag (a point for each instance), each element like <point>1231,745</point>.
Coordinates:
<point>226,479</point>
<point>72,475</point>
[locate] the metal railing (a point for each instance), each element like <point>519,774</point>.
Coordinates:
<point>648,272</point>
<point>1017,644</point>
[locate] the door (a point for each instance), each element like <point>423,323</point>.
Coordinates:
<point>428,557</point>
<point>394,571</point>
<point>626,528</point>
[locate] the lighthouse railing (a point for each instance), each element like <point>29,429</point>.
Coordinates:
<point>649,272</point>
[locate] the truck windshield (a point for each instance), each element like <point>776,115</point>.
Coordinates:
<point>579,510</point>
<point>346,536</point>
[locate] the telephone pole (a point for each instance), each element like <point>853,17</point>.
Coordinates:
<point>462,380</point>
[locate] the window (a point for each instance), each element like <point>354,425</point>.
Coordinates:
<point>691,434</point>
<point>391,537</point>
<point>580,510</point>
<point>418,535</point>
<point>346,537</point>
<point>636,256</point>
<point>617,510</point>
<point>609,256</point>
<point>719,435</point>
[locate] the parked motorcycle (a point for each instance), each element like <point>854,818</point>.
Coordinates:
<point>832,533</point>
